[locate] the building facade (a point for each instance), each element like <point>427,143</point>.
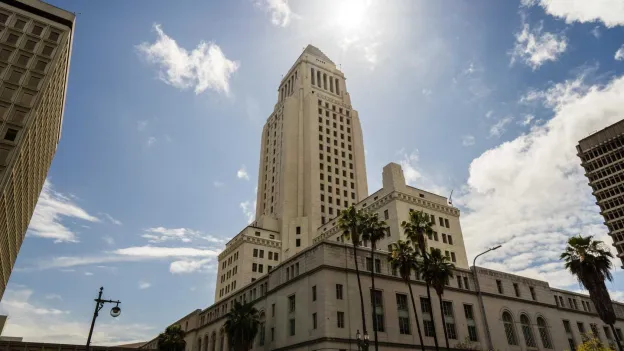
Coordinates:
<point>602,157</point>
<point>295,266</point>
<point>35,50</point>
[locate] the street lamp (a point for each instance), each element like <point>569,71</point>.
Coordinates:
<point>99,303</point>
<point>476,277</point>
<point>362,342</point>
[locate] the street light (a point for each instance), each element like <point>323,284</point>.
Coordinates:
<point>99,303</point>
<point>476,277</point>
<point>362,342</point>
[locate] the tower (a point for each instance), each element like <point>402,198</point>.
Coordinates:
<point>35,47</point>
<point>312,153</point>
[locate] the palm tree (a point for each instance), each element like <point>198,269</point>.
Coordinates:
<point>403,259</point>
<point>241,326</point>
<point>351,223</point>
<point>374,230</point>
<point>438,272</point>
<point>416,230</point>
<point>590,262</point>
<point>172,339</point>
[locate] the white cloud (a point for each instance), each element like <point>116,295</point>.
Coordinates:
<point>54,297</point>
<point>281,14</point>
<point>218,184</point>
<point>51,208</point>
<point>527,120</point>
<point>141,125</point>
<point>414,177</point>
<point>596,32</point>
<point>619,54</point>
<point>609,12</point>
<point>111,219</point>
<point>249,210</point>
<point>186,235</point>
<point>535,48</point>
<point>151,141</point>
<point>144,285</point>
<point>88,274</point>
<point>205,67</point>
<point>163,252</point>
<point>109,240</point>
<point>39,323</point>
<point>530,194</point>
<point>468,140</point>
<point>489,114</point>
<point>190,266</point>
<point>242,173</point>
<point>500,127</point>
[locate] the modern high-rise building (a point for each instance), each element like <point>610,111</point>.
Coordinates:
<point>602,157</point>
<point>295,266</point>
<point>35,50</point>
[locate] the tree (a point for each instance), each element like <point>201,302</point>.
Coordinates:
<point>592,344</point>
<point>403,258</point>
<point>437,273</point>
<point>172,339</point>
<point>351,222</point>
<point>373,230</point>
<point>590,262</point>
<point>416,230</point>
<point>242,326</point>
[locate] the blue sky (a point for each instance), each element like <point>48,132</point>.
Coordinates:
<point>484,98</point>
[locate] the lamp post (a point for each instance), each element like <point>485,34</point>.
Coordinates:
<point>99,303</point>
<point>362,341</point>
<point>480,296</point>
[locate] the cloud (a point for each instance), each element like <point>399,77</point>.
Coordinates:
<point>530,194</point>
<point>51,208</point>
<point>596,32</point>
<point>535,48</point>
<point>144,285</point>
<point>609,12</point>
<point>218,184</point>
<point>205,67</point>
<point>186,235</point>
<point>191,266</point>
<point>109,240</point>
<point>163,252</point>
<point>468,140</point>
<point>619,54</point>
<point>410,164</point>
<point>54,297</point>
<point>249,210</point>
<point>242,173</point>
<point>88,274</point>
<point>489,114</point>
<point>39,323</point>
<point>141,125</point>
<point>500,127</point>
<point>426,92</point>
<point>110,218</point>
<point>527,120</point>
<point>281,14</point>
<point>151,141</point>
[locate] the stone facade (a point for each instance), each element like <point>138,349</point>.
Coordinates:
<point>35,49</point>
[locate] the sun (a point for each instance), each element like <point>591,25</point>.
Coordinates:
<point>350,15</point>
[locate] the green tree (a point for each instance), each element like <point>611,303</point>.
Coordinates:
<point>172,339</point>
<point>403,258</point>
<point>590,262</point>
<point>437,273</point>
<point>241,326</point>
<point>373,231</point>
<point>351,222</point>
<point>592,343</point>
<point>417,229</point>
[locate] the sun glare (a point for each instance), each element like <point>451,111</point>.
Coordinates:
<point>350,14</point>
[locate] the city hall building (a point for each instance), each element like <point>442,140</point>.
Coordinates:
<point>294,265</point>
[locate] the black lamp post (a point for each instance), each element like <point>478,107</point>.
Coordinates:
<point>99,303</point>
<point>480,296</point>
<point>362,341</point>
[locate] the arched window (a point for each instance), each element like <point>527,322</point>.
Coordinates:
<point>206,341</point>
<point>543,331</point>
<point>199,345</point>
<point>527,331</point>
<point>213,344</point>
<point>222,341</point>
<point>509,329</point>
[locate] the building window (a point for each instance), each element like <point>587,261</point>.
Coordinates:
<point>386,216</point>
<point>338,291</point>
<point>447,309</point>
<point>453,257</point>
<point>441,221</point>
<point>472,326</point>
<point>369,262</point>
<point>428,325</point>
<point>377,265</point>
<point>466,283</point>
<point>378,317</point>
<point>450,239</point>
<point>313,320</point>
<point>516,289</point>
<point>298,242</point>
<point>255,252</point>
<point>499,286</point>
<point>403,313</point>
<point>532,290</point>
<point>272,310</point>
<point>459,282</point>
<point>340,319</point>
<point>260,268</point>
<point>446,223</point>
<point>291,326</point>
<point>261,253</point>
<point>510,331</point>
<point>254,267</point>
<point>314,293</point>
<point>444,238</point>
<point>544,334</point>
<point>594,330</point>
<point>527,331</point>
<point>275,256</point>
<point>291,303</point>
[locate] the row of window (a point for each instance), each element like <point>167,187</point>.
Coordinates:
<point>333,107</point>
<point>259,267</point>
<point>287,88</point>
<point>230,273</point>
<point>340,118</point>
<point>229,260</point>
<point>607,182</point>
<point>527,331</point>
<point>324,81</point>
<point>517,291</point>
<point>226,290</point>
<point>613,144</point>
<point>604,160</point>
<point>572,303</point>
<point>617,167</point>
<point>259,253</point>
